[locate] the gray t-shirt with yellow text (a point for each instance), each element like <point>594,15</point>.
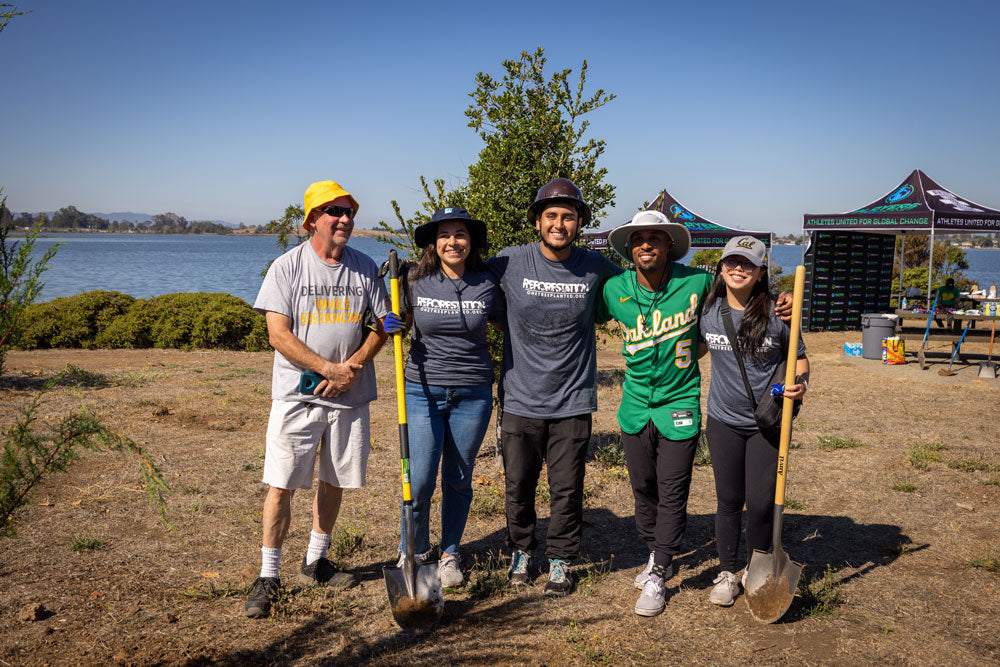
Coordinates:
<point>327,304</point>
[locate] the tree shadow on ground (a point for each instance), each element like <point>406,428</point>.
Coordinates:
<point>611,378</point>
<point>468,633</point>
<point>473,631</point>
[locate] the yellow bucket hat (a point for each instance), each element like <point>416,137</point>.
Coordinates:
<point>322,192</point>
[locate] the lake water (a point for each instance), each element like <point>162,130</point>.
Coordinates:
<point>152,264</point>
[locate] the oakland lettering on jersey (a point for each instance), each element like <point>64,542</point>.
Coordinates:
<point>663,328</point>
<point>331,290</point>
<point>555,290</point>
<point>442,306</point>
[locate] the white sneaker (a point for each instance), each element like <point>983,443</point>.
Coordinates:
<point>450,571</point>
<point>643,577</point>
<point>726,589</point>
<point>653,598</point>
<point>418,559</point>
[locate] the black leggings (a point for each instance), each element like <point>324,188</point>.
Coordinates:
<point>745,465</point>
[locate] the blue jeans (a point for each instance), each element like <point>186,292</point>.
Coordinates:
<point>446,427</point>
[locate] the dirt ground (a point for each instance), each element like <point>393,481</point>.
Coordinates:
<point>886,531</point>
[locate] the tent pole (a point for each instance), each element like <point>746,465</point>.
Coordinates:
<point>902,253</point>
<point>930,267</point>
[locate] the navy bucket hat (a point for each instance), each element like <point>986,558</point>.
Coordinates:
<point>426,233</point>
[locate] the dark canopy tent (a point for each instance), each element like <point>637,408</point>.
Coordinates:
<point>918,205</point>
<point>704,232</point>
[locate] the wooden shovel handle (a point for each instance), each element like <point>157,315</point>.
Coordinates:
<point>786,403</point>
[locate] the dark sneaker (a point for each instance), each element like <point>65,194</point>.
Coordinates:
<point>520,563</point>
<point>263,592</point>
<point>324,572</point>
<point>560,583</point>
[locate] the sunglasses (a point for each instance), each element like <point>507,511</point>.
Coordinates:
<point>732,262</point>
<point>337,211</point>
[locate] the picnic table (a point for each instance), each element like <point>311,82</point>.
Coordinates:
<point>911,327</point>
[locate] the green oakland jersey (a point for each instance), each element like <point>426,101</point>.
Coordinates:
<point>662,379</point>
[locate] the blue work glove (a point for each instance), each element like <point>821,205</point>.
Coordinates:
<point>392,325</point>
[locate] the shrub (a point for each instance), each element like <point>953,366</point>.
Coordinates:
<point>183,320</point>
<point>114,320</point>
<point>72,321</point>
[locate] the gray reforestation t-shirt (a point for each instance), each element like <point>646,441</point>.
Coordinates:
<point>327,305</point>
<point>549,355</point>
<point>727,396</point>
<point>448,346</point>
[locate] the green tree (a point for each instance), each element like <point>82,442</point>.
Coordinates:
<point>20,276</point>
<point>533,128</point>
<point>949,262</point>
<point>287,227</point>
<point>7,12</point>
<point>706,257</point>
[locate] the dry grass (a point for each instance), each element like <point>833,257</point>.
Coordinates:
<point>897,558</point>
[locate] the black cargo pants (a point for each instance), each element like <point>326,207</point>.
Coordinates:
<point>562,444</point>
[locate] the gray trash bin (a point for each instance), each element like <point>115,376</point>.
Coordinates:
<point>875,327</point>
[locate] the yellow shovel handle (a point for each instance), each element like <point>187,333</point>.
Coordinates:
<point>397,349</point>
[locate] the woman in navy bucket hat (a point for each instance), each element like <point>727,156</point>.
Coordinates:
<point>449,374</point>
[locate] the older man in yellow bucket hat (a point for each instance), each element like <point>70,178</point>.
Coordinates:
<point>323,302</point>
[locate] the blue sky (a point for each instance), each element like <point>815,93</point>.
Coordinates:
<point>750,113</point>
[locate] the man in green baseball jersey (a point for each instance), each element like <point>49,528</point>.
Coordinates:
<point>657,306</point>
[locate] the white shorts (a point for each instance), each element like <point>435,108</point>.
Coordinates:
<point>296,431</point>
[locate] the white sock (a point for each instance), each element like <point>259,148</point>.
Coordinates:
<point>269,561</point>
<point>318,544</point>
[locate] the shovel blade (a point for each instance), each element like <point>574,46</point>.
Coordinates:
<point>987,370</point>
<point>770,585</point>
<point>424,608</point>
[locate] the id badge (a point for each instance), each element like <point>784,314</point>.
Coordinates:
<point>682,418</point>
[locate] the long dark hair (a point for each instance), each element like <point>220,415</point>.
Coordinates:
<point>753,326</point>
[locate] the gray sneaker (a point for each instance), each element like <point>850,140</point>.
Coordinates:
<point>643,577</point>
<point>653,598</point>
<point>418,559</point>
<point>520,562</point>
<point>560,583</point>
<point>726,589</point>
<point>450,571</point>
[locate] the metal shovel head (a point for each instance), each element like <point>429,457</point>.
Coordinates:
<point>770,585</point>
<point>987,370</point>
<point>421,610</point>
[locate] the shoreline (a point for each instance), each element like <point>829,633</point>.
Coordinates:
<point>357,232</point>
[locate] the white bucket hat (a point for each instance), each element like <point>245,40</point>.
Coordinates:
<point>678,233</point>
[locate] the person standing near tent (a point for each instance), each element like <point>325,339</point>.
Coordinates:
<point>744,459</point>
<point>549,385</point>
<point>449,375</point>
<point>321,301</point>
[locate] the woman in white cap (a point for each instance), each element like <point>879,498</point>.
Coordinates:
<point>449,374</point>
<point>744,459</point>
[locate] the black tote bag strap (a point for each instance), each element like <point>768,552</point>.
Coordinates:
<point>727,321</point>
